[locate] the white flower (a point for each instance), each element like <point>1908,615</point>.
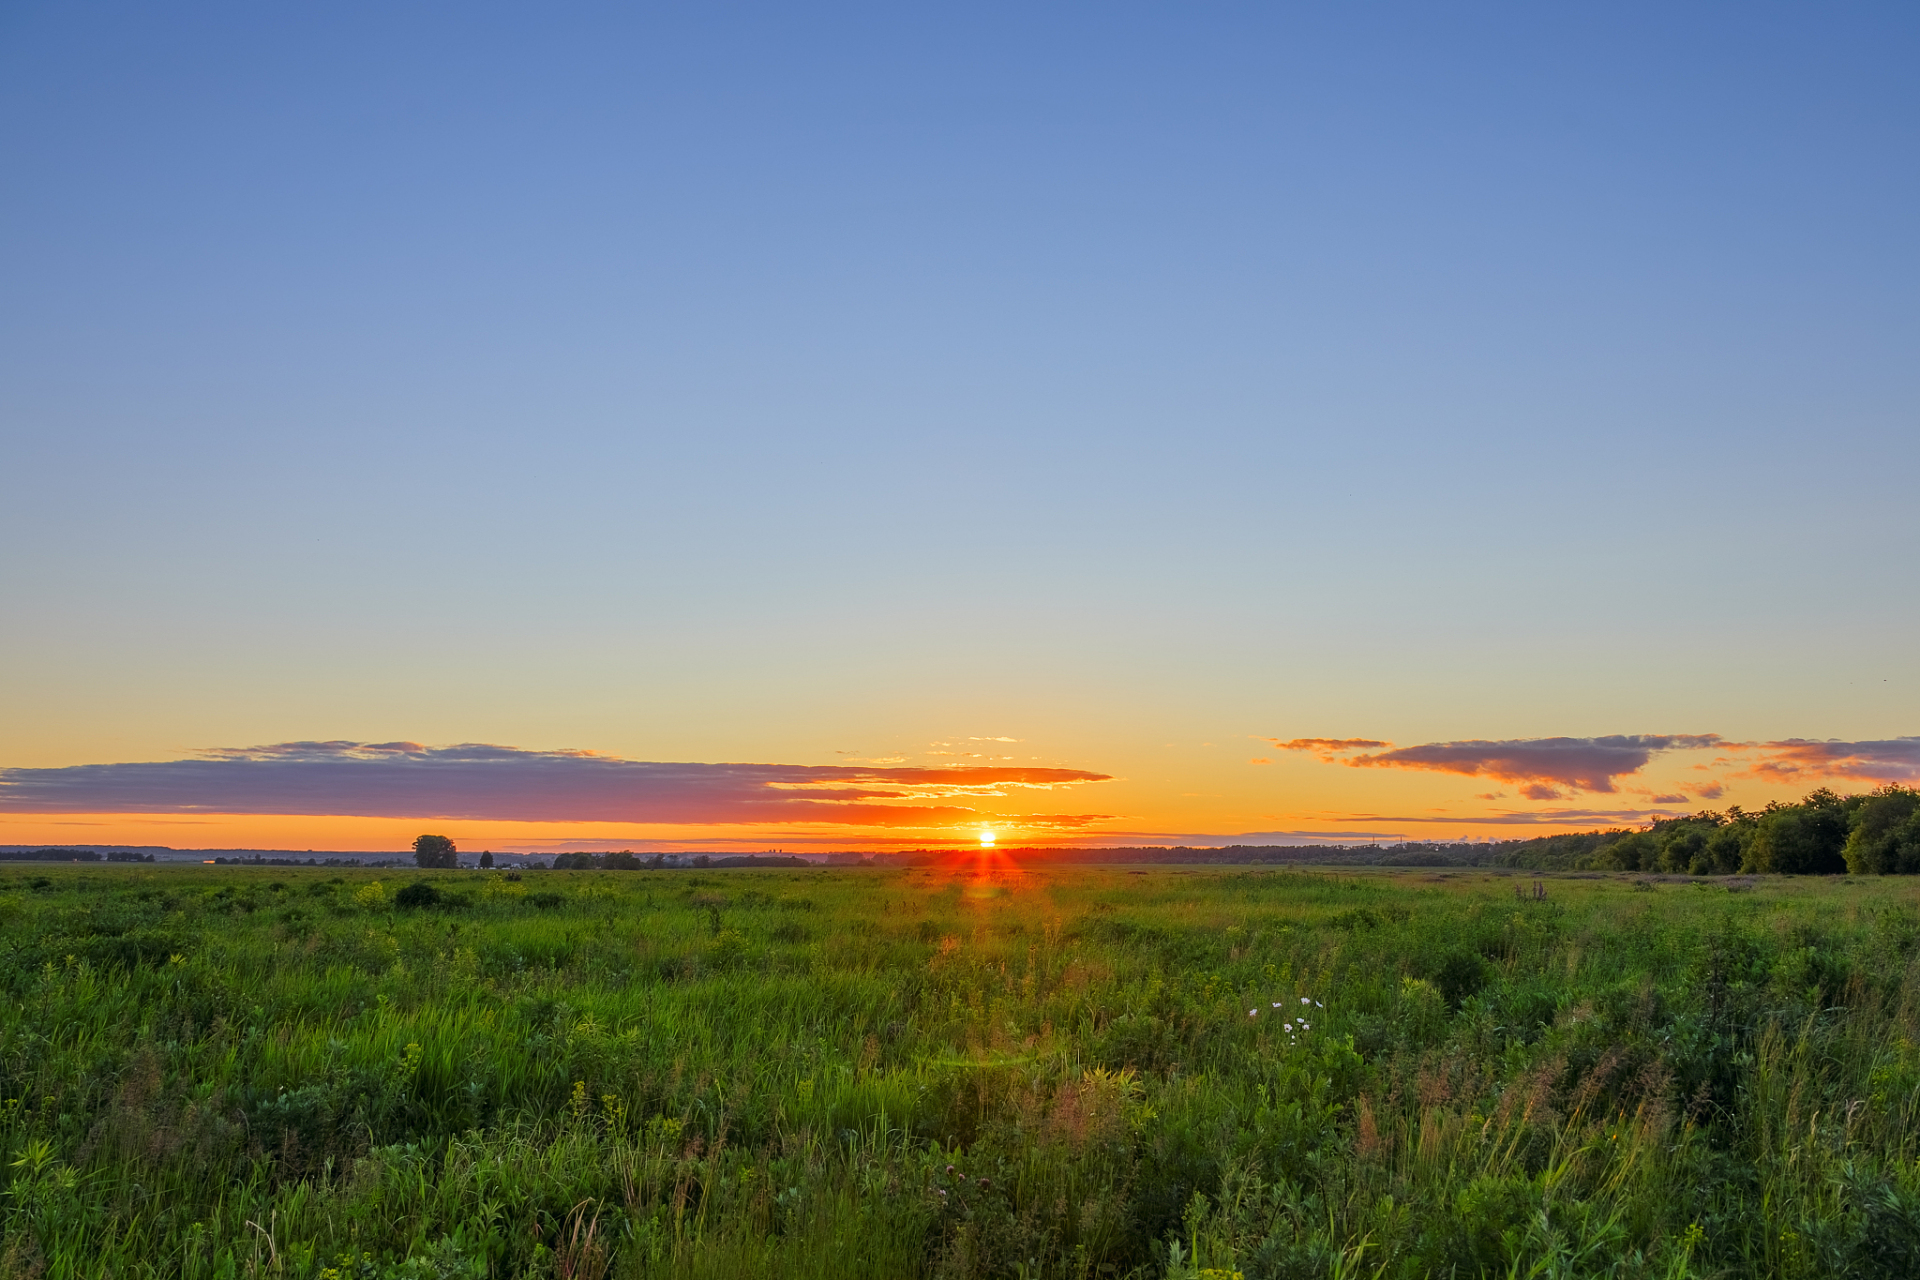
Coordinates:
<point>1253,1013</point>
<point>1304,1000</point>
<point>1276,1004</point>
<point>1306,1026</point>
<point>1287,1025</point>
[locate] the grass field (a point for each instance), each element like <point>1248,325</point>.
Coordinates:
<point>1079,1072</point>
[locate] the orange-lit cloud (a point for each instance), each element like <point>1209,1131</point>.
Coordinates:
<point>1807,759</point>
<point>486,782</point>
<point>1328,748</point>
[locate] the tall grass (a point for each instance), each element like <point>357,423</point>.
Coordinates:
<point>1075,1073</point>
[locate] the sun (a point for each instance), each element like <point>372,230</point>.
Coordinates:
<point>986,839</point>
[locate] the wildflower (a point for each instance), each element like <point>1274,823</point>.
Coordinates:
<point>1306,1026</point>
<point>1287,1025</point>
<point>1276,1004</point>
<point>1305,1000</point>
<point>1253,1013</point>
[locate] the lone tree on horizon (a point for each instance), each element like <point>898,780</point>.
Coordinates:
<point>435,851</point>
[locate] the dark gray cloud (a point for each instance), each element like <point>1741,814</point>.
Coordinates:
<point>1543,768</point>
<point>484,781</point>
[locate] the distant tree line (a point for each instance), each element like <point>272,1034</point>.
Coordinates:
<point>72,855</point>
<point>1824,834</point>
<point>624,860</point>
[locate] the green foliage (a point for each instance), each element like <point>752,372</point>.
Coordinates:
<point>1075,1073</point>
<point>1802,839</point>
<point>415,894</point>
<point>1885,834</point>
<point>435,852</point>
<point>1825,834</point>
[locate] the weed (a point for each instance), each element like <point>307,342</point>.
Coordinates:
<point>1076,1073</point>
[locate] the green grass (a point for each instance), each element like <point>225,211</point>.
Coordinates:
<point>277,1072</point>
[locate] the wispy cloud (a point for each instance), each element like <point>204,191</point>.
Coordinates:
<point>1808,759</point>
<point>1524,818</point>
<point>1542,768</point>
<point>483,781</point>
<point>1327,748</point>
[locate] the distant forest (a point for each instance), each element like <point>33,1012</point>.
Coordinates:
<point>1825,834</point>
<point>70,855</point>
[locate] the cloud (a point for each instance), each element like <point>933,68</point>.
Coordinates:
<point>1796,759</point>
<point>1712,791</point>
<point>1673,799</point>
<point>1328,748</point>
<point>1528,818</point>
<point>1544,768</point>
<point>486,782</point>
<point>1292,837</point>
<point>1113,839</point>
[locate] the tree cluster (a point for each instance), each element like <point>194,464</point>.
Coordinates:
<point>1825,834</point>
<point>436,852</point>
<point>623,860</point>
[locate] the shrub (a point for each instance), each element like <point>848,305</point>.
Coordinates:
<point>1460,976</point>
<point>1885,839</point>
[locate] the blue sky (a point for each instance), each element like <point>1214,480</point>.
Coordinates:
<point>756,384</point>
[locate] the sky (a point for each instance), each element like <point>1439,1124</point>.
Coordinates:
<point>752,426</point>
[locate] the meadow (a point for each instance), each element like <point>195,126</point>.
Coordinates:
<point>955,1072</point>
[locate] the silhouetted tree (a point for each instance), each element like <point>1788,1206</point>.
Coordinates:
<point>435,851</point>
<point>486,859</point>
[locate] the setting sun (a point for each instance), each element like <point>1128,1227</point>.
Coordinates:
<point>986,839</point>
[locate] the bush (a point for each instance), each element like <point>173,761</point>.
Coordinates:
<point>1885,839</point>
<point>416,895</point>
<point>1802,840</point>
<point>1460,976</point>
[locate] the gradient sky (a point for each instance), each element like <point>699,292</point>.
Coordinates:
<point>1120,390</point>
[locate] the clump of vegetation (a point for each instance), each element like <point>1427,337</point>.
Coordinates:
<point>436,852</point>
<point>1824,834</point>
<point>417,894</point>
<point>1074,1073</point>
